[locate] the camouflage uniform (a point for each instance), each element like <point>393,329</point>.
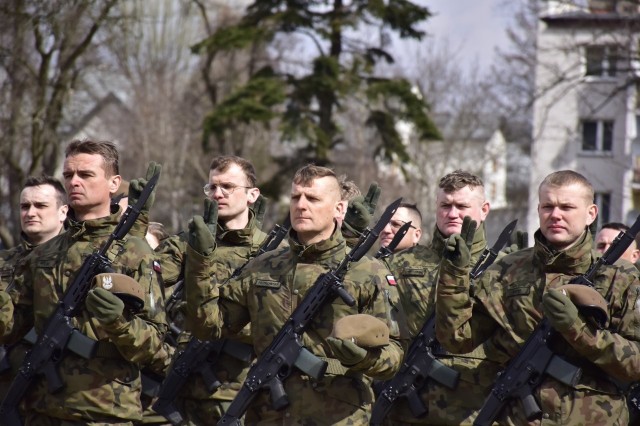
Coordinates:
<point>417,272</point>
<point>10,261</point>
<point>267,293</point>
<point>105,388</point>
<point>508,308</point>
<point>234,247</point>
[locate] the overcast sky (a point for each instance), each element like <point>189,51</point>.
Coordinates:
<point>475,27</point>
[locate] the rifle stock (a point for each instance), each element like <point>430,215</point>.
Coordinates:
<point>59,333</point>
<point>286,351</point>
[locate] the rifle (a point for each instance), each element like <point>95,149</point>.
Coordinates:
<point>200,355</point>
<point>286,351</point>
<point>526,371</point>
<point>59,333</point>
<point>419,364</point>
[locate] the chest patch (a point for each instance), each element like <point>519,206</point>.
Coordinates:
<point>414,272</point>
<point>268,284</point>
<point>519,289</point>
<point>391,280</point>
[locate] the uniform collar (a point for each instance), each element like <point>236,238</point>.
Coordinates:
<point>574,260</point>
<point>93,227</point>
<point>238,237</point>
<point>333,248</point>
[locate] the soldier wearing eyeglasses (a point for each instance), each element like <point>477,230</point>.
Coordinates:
<point>232,185</point>
<point>416,268</point>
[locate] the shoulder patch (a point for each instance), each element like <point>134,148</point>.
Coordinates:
<point>391,280</point>
<point>414,272</point>
<point>268,284</point>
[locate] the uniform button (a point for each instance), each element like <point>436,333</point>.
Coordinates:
<point>545,415</point>
<point>296,291</point>
<point>67,273</point>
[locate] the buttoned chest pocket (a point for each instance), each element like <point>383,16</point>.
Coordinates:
<point>520,304</point>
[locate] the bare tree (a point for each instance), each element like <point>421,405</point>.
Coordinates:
<point>44,50</point>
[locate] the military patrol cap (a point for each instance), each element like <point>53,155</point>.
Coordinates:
<point>364,330</point>
<point>123,286</point>
<point>589,302</point>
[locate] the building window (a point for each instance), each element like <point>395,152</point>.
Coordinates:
<point>597,135</point>
<point>602,61</point>
<point>603,201</point>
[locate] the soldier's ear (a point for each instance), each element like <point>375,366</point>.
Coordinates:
<point>252,195</point>
<point>592,213</point>
<point>114,183</point>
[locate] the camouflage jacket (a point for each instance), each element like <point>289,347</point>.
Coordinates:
<point>10,261</point>
<point>416,270</point>
<point>267,293</point>
<point>233,249</point>
<point>508,308</point>
<point>105,388</point>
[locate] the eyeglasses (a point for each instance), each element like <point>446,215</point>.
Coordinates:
<point>396,224</point>
<point>226,188</point>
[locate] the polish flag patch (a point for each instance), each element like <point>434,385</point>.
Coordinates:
<point>391,280</point>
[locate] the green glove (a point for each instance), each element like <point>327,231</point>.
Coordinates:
<point>136,186</point>
<point>105,306</point>
<point>360,211</point>
<point>371,199</point>
<point>517,241</point>
<point>211,215</point>
<point>200,237</point>
<point>559,310</point>
<point>259,208</point>
<point>347,352</point>
<point>458,246</point>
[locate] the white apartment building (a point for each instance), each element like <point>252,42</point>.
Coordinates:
<point>587,108</point>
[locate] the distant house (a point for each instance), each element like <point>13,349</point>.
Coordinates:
<point>587,113</point>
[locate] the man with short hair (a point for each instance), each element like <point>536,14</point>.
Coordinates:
<point>459,194</point>
<point>271,287</point>
<point>232,186</point>
<point>407,212</point>
<point>520,289</point>
<point>609,232</point>
<point>43,211</point>
<point>104,389</point>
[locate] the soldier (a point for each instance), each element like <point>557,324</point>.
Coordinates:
<point>521,288</point>
<point>407,212</point>
<point>232,185</point>
<point>609,232</point>
<point>416,267</point>
<point>43,211</point>
<point>271,287</point>
<point>104,389</point>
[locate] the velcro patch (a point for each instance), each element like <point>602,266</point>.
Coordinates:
<point>47,263</point>
<point>519,289</point>
<point>414,272</point>
<point>391,280</point>
<point>268,284</point>
<point>157,267</point>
